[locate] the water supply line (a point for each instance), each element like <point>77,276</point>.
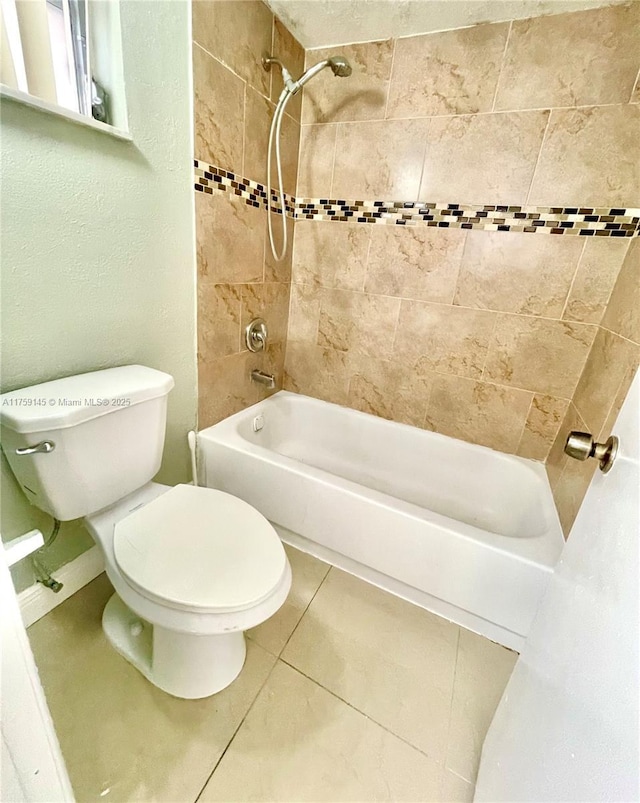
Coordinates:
<point>276,124</point>
<point>341,68</point>
<point>40,570</point>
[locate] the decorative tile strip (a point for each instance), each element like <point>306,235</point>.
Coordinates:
<point>209,178</point>
<point>565,220</point>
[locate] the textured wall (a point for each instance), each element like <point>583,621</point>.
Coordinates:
<point>237,278</point>
<point>485,336</point>
<point>325,23</point>
<point>97,246</point>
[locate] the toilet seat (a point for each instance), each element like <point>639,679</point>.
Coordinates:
<point>200,550</point>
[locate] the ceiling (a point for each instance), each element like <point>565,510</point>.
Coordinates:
<point>324,23</point>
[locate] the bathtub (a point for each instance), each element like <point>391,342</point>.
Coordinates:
<point>466,532</point>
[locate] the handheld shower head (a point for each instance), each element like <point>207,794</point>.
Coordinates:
<point>340,66</point>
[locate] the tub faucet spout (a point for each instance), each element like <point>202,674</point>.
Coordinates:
<point>264,379</point>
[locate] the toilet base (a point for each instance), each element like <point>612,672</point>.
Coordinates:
<point>181,664</point>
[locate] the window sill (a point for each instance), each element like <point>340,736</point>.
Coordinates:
<point>17,96</point>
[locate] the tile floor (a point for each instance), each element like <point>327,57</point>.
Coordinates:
<point>348,694</point>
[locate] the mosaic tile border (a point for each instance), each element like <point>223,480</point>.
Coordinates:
<point>584,221</point>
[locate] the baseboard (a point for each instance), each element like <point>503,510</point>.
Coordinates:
<point>37,600</point>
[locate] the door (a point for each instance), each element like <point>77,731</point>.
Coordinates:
<point>32,765</point>
<point>566,728</point>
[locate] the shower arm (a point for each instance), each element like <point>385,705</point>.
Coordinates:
<point>290,84</point>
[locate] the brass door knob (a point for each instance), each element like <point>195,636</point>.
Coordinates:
<point>581,446</point>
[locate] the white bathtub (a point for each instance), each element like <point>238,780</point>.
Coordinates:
<point>464,531</point>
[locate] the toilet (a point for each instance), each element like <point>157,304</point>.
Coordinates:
<point>192,567</point>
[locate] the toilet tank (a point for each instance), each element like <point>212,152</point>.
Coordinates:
<point>91,439</point>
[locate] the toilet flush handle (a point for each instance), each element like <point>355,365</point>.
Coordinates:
<point>44,447</point>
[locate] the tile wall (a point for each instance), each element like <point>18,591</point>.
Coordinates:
<point>237,279</point>
<point>491,336</point>
<point>464,319</point>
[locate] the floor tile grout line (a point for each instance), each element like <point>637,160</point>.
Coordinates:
<point>284,646</point>
<point>235,733</point>
<point>440,764</point>
<point>277,658</point>
<point>453,688</point>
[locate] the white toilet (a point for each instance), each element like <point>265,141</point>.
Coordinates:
<point>193,568</point>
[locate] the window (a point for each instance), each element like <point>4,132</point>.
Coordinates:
<point>47,53</point>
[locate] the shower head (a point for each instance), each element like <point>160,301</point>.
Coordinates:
<point>340,66</point>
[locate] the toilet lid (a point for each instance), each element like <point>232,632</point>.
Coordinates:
<point>200,549</point>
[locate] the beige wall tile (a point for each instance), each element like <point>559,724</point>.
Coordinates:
<point>361,96</point>
<point>357,322</point>
<point>590,157</point>
<point>218,320</point>
<point>289,150</point>
<point>315,169</point>
<point>601,392</point>
<point>315,371</point>
<point>258,116</point>
<point>490,415</point>
<point>278,271</point>
<point>414,262</point>
<point>452,72</point>
<point>444,338</point>
<point>271,362</point>
<point>219,112</point>
<point>570,490</point>
<point>557,459</point>
<point>379,160</point>
<point>623,311</point>
<point>545,417</point>
<point>224,387</point>
<point>616,405</point>
<point>482,672</point>
<point>577,59</point>
<point>610,362</point>
<point>331,254</point>
<point>635,95</point>
<point>597,272</point>
<point>237,34</point>
<point>392,390</point>
<point>304,314</point>
<point>482,159</point>
<point>291,53</point>
<point>270,301</point>
<point>538,354</point>
<point>230,239</point>
<point>516,272</point>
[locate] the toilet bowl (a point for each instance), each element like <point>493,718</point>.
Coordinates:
<point>192,568</point>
